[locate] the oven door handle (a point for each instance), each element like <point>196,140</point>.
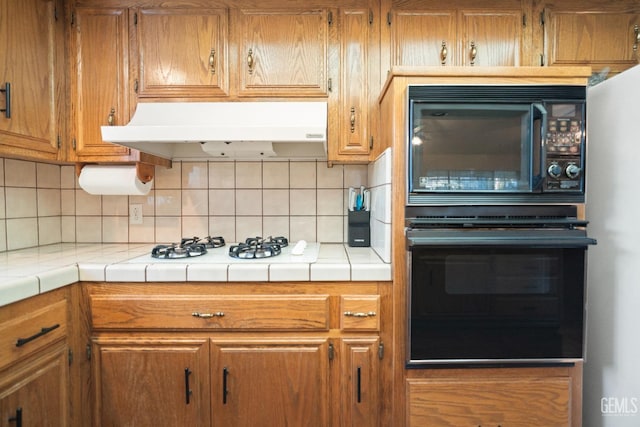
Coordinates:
<point>501,239</point>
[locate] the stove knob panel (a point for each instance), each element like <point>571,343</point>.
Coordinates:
<point>554,170</point>
<point>572,171</point>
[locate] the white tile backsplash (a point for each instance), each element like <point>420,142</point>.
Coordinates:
<point>42,203</point>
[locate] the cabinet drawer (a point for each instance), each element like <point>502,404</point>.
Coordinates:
<point>266,312</point>
<point>514,402</point>
<point>31,332</point>
<point>360,312</point>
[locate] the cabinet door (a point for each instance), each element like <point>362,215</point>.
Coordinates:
<point>491,38</point>
<point>599,38</point>
<point>151,382</point>
<point>360,382</point>
<point>36,393</point>
<point>31,60</point>
<point>100,81</point>
<point>518,402</point>
<point>423,37</point>
<point>282,52</point>
<point>351,136</point>
<point>270,383</point>
<point>182,52</point>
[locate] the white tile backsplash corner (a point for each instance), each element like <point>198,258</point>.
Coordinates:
<point>275,202</point>
<point>68,224</point>
<point>21,202</point>
<point>355,176</point>
<point>168,178</point>
<point>168,229</point>
<point>222,174</point>
<point>248,202</point>
<point>47,175</point>
<point>195,226</point>
<point>195,202</point>
<point>19,173</point>
<point>87,204</point>
<point>248,174</point>
<point>224,226</point>
<point>330,202</point>
<point>3,235</point>
<point>88,229</point>
<point>248,226</point>
<point>302,202</point>
<point>302,175</point>
<point>330,229</point>
<point>222,202</point>
<point>115,229</point>
<point>68,177</point>
<point>303,228</point>
<point>22,233</point>
<point>275,175</point>
<point>330,177</point>
<point>168,202</point>
<point>115,205</point>
<point>195,175</point>
<point>380,239</point>
<point>67,202</point>
<point>49,203</point>
<point>49,230</point>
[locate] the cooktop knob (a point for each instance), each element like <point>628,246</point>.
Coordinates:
<point>554,170</point>
<point>572,171</point>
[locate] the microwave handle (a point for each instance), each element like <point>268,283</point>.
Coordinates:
<point>541,144</point>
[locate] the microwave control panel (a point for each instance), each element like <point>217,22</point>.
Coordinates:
<point>564,148</point>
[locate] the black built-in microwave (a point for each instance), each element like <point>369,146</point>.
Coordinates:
<point>496,144</point>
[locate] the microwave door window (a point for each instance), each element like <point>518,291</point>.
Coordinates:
<point>470,148</point>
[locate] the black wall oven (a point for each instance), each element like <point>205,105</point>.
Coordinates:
<point>495,284</point>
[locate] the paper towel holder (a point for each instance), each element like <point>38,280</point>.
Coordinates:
<point>144,171</point>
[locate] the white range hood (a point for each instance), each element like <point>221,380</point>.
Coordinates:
<point>245,130</point>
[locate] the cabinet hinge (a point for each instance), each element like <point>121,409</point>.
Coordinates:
<point>524,20</point>
<point>135,85</point>
<point>135,18</point>
<point>70,357</point>
<point>88,351</point>
<point>370,17</point>
<point>73,143</point>
<point>371,143</point>
<point>330,18</point>
<point>330,85</point>
<point>55,13</point>
<point>331,351</point>
<point>542,17</point>
<point>541,60</point>
<point>388,18</point>
<point>73,18</point>
<point>59,142</point>
<point>380,351</point>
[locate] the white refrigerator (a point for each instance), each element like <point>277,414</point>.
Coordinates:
<point>612,367</point>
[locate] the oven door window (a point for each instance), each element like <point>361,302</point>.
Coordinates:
<point>502,303</point>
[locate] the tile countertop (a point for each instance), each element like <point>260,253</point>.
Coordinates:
<point>28,272</point>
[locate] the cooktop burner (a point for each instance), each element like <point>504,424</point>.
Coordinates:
<point>188,247</point>
<point>258,247</point>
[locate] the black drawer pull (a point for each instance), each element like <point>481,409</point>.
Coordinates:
<point>43,331</point>
<point>7,93</point>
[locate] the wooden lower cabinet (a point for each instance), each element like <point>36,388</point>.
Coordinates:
<point>514,397</point>
<point>236,355</point>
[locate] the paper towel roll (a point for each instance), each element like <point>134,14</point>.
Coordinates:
<point>112,180</point>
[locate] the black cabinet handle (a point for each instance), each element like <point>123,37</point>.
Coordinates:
<point>7,92</point>
<point>359,380</point>
<point>187,389</point>
<point>22,341</point>
<point>225,374</point>
<point>17,418</point>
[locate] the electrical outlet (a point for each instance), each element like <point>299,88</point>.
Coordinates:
<point>135,214</point>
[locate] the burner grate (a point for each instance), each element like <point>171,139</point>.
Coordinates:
<point>258,247</point>
<point>188,247</point>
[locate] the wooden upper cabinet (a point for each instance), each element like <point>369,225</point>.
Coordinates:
<point>592,33</point>
<point>182,52</point>
<point>281,52</point>
<point>100,81</point>
<point>31,63</point>
<point>423,38</point>
<point>467,33</point>
<point>491,38</point>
